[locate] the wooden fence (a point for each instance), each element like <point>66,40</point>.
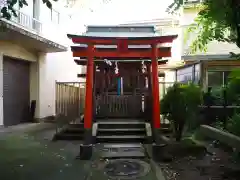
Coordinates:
<point>119,106</point>
<point>70,99</point>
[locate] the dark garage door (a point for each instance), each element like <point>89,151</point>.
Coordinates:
<point>16,91</point>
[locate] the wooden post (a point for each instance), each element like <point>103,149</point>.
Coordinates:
<point>225,109</point>
<point>89,89</point>
<point>94,94</point>
<point>155,88</point>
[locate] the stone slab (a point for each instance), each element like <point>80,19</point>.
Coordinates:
<point>113,155</point>
<point>122,151</point>
<point>115,145</point>
<point>223,137</point>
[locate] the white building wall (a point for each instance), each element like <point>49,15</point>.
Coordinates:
<point>170,29</point>
<point>49,67</point>
<point>55,66</point>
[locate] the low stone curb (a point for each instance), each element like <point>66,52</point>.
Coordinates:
<point>157,170</point>
<point>222,136</point>
<point>28,127</point>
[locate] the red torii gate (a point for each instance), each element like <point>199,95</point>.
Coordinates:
<point>122,51</point>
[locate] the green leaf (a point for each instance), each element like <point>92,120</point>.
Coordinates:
<point>24,2</point>
<point>14,2</point>
<point>216,20</point>
<point>14,13</point>
<point>49,4</point>
<point>4,10</point>
<point>20,4</point>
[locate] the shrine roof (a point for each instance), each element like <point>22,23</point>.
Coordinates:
<point>136,48</point>
<point>84,39</point>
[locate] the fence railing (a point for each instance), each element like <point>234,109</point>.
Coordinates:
<point>218,108</point>
<point>163,87</point>
<point>27,21</point>
<point>70,99</point>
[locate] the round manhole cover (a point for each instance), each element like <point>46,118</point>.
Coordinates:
<point>126,169</point>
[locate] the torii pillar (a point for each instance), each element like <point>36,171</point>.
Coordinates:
<point>155,88</point>
<point>157,144</point>
<point>86,147</point>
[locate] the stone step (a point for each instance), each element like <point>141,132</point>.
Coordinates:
<point>121,122</point>
<point>79,125</point>
<point>116,145</point>
<point>121,129</point>
<point>74,130</point>
<point>121,139</point>
<point>68,136</point>
<point>123,132</point>
<point>121,126</point>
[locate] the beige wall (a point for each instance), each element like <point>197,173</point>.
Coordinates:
<point>13,50</point>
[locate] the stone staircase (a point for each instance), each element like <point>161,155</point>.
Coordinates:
<point>71,132</point>
<point>121,131</point>
<point>113,131</point>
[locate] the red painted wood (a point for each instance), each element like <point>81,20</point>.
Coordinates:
<point>155,89</point>
<point>125,54</point>
<point>117,40</point>
<point>123,46</point>
<point>89,89</point>
<point>102,64</point>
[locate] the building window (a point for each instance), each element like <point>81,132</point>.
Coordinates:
<point>217,78</point>
<point>226,79</point>
<point>185,75</point>
<point>197,77</point>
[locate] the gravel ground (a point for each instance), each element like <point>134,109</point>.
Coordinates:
<point>215,164</point>
<point>31,155</point>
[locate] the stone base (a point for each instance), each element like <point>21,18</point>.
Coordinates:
<point>85,152</point>
<point>88,138</point>
<point>156,136</point>
<point>158,152</point>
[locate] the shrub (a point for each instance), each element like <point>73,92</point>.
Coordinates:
<point>233,88</point>
<point>217,95</point>
<point>180,105</point>
<point>234,125</point>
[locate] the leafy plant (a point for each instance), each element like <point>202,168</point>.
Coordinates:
<point>217,95</point>
<point>234,125</point>
<point>180,104</point>
<point>219,125</point>
<point>216,20</point>
<point>233,88</point>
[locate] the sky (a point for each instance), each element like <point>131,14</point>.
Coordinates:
<point>122,11</point>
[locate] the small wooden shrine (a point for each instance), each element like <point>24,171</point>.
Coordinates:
<point>122,76</point>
